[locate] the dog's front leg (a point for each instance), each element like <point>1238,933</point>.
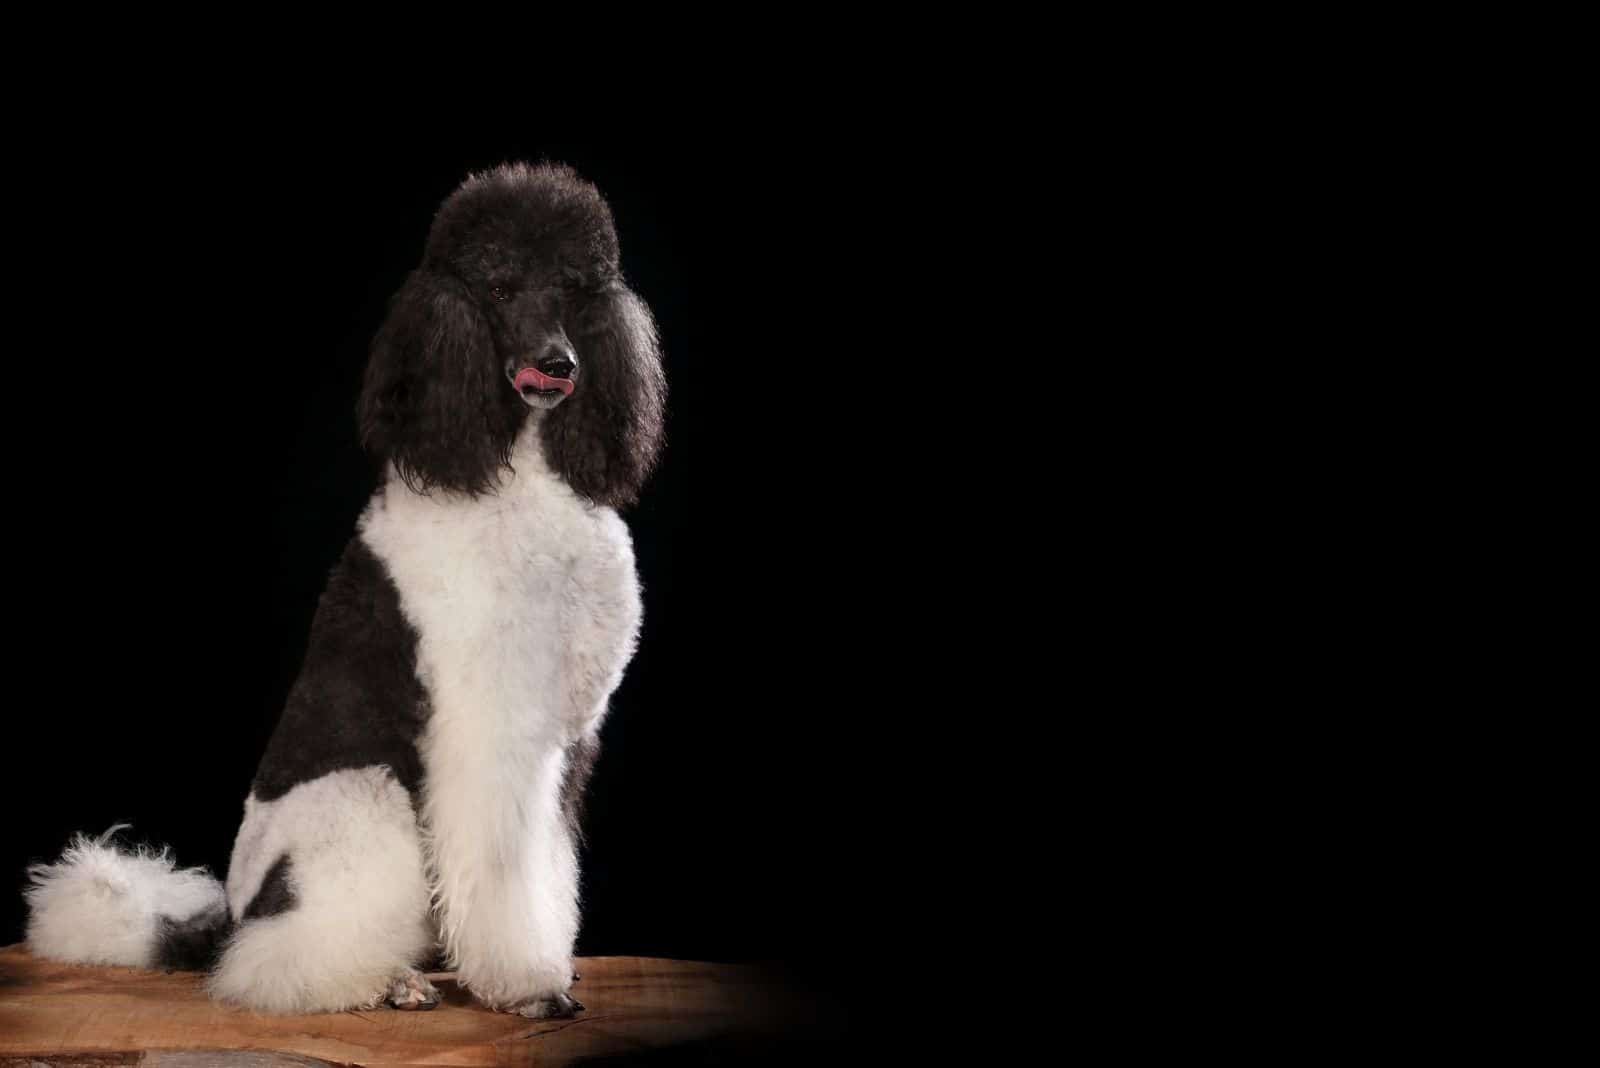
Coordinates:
<point>506,878</point>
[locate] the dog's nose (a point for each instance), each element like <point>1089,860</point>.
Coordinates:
<point>557,363</point>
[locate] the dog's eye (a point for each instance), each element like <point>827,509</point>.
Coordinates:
<point>498,293</point>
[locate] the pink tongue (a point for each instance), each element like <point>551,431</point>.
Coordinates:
<point>530,376</point>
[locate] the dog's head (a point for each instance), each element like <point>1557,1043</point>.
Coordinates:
<point>517,311</point>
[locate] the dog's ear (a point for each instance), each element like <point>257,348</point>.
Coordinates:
<point>433,401</point>
<point>604,439</point>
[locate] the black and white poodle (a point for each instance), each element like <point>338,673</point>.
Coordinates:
<point>421,791</point>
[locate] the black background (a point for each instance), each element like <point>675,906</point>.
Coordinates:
<point>191,315</point>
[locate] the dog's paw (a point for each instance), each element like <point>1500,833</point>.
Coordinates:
<point>412,991</point>
<point>550,1007</point>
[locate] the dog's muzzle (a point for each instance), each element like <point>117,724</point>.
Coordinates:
<point>547,384</point>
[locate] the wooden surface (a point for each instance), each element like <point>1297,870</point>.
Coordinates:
<point>68,1014</point>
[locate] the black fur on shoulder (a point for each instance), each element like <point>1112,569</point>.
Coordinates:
<point>521,262</point>
<point>357,701</point>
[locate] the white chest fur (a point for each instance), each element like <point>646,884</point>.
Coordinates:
<point>526,606</point>
<point>524,601</point>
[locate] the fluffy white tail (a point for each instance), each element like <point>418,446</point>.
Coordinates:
<point>102,905</point>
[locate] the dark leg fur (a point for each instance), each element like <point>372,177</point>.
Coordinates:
<point>275,895</point>
<point>581,757</point>
<point>194,944</point>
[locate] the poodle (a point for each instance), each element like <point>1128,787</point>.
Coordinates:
<point>421,792</point>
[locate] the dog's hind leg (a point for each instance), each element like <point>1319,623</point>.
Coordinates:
<point>328,884</point>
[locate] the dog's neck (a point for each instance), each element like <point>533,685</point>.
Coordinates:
<point>527,454</point>
<point>530,471</point>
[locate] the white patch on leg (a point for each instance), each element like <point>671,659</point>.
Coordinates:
<point>360,914</point>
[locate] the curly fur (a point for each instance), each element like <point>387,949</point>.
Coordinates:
<point>431,401</point>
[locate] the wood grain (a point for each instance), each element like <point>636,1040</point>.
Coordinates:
<point>64,1014</point>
